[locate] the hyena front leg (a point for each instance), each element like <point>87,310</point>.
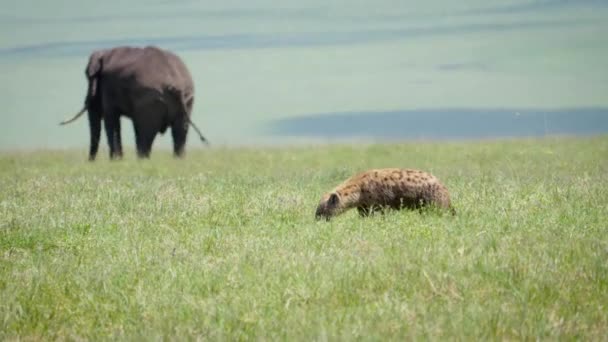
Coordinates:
<point>364,210</point>
<point>368,210</point>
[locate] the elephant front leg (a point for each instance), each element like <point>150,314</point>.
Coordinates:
<point>95,127</point>
<point>112,126</point>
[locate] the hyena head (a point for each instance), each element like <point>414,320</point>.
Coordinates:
<point>329,206</point>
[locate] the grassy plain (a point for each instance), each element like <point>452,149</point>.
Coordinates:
<point>223,245</point>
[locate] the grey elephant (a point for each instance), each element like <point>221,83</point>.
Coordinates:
<point>149,85</point>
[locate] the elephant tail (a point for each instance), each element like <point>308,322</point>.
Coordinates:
<point>187,103</point>
<point>205,141</point>
<point>79,114</point>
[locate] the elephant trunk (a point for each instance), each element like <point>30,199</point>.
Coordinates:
<point>79,114</point>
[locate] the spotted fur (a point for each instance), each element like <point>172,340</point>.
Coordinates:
<point>377,189</point>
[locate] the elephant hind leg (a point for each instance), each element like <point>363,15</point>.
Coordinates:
<point>95,127</point>
<point>179,131</point>
<point>144,137</point>
<point>149,119</point>
<point>145,133</point>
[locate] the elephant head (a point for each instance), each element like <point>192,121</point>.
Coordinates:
<point>92,102</point>
<point>92,73</point>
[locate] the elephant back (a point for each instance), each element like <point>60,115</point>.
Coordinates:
<point>150,67</point>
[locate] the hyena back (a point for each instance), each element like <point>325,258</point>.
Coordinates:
<point>378,189</point>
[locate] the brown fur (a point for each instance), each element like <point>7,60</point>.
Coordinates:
<point>378,189</point>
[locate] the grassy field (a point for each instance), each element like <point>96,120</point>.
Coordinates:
<point>223,245</point>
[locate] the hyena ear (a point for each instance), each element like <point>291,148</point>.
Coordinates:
<point>333,199</point>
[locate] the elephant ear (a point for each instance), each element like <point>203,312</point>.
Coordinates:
<point>93,69</point>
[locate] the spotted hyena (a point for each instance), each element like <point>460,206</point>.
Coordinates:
<point>378,189</point>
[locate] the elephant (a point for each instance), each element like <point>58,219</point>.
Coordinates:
<point>149,85</point>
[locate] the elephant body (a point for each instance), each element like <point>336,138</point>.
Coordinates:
<point>151,86</point>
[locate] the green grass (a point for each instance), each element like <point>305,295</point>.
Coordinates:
<point>223,245</point>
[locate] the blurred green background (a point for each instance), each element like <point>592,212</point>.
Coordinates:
<point>262,68</point>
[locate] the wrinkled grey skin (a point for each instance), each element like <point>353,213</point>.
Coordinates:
<point>150,86</point>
